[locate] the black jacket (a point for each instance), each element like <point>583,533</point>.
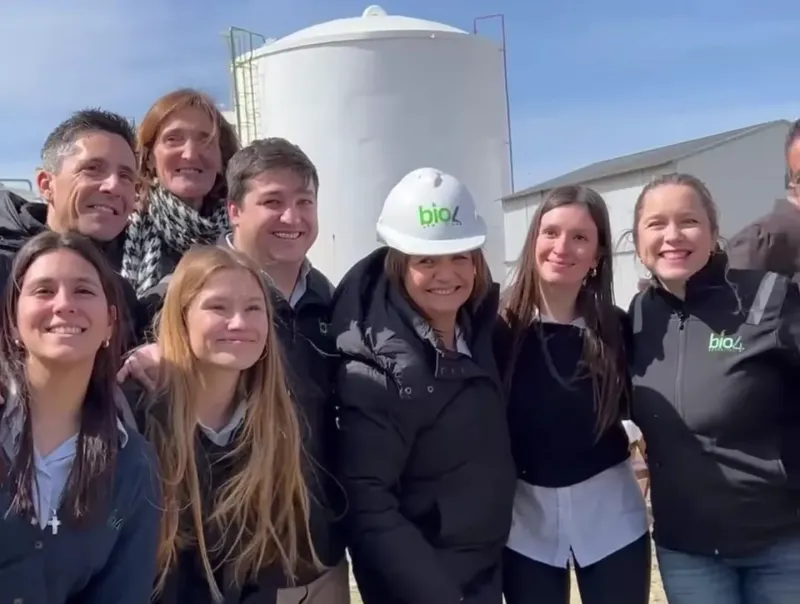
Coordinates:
<point>20,220</point>
<point>716,386</point>
<point>425,453</point>
<point>310,362</point>
<point>771,243</point>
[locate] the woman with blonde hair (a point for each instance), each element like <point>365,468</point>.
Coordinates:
<point>183,145</point>
<point>227,437</point>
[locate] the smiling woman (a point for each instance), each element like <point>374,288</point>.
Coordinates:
<point>184,146</point>
<point>71,477</point>
<point>228,439</point>
<point>560,346</point>
<point>425,452</point>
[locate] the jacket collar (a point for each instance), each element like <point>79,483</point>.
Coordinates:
<point>710,277</point>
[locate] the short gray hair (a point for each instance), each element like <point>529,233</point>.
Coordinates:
<point>263,155</point>
<point>61,141</point>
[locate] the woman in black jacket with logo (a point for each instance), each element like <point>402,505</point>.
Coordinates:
<point>716,372</point>
<point>426,460</point>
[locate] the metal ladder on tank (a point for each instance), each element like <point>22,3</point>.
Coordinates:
<point>243,46</point>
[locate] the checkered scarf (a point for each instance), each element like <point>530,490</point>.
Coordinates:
<point>170,222</point>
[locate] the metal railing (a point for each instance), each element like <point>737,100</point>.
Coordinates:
<point>242,47</point>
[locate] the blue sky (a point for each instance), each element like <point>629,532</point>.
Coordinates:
<point>589,79</point>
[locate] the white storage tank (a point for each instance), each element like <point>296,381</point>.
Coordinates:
<point>373,97</point>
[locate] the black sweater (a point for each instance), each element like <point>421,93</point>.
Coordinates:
<point>552,422</point>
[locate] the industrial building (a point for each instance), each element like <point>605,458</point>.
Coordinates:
<point>743,169</point>
<point>369,99</point>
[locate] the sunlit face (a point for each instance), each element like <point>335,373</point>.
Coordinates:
<point>566,246</point>
<point>793,163</point>
<point>227,321</point>
<point>186,155</point>
<point>673,233</point>
<point>440,285</point>
<point>277,217</point>
<point>94,189</point>
<point>63,315</point>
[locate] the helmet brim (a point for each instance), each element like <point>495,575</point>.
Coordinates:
<point>415,246</point>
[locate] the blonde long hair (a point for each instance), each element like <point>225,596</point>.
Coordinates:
<point>264,505</point>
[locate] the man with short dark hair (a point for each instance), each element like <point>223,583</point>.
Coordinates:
<point>272,206</point>
<point>773,241</point>
<point>88,184</point>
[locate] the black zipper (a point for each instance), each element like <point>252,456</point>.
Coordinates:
<point>681,350</point>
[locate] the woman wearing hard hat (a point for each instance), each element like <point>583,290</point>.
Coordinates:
<point>561,341</point>
<point>425,453</point>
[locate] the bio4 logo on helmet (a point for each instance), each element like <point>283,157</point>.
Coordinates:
<point>722,343</point>
<point>432,215</point>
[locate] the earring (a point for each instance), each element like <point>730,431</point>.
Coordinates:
<point>17,343</point>
<point>593,272</point>
<point>106,342</point>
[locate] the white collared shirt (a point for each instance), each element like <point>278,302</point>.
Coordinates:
<point>589,520</point>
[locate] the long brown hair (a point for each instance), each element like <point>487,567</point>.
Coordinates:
<point>90,479</point>
<point>153,121</point>
<point>603,338</point>
<point>264,504</point>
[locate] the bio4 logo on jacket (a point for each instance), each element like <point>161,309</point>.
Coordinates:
<point>722,343</point>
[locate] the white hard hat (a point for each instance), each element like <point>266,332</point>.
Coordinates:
<point>430,213</point>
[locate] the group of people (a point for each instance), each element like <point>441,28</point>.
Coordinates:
<point>191,412</point>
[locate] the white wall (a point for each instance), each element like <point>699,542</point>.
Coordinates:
<point>745,176</point>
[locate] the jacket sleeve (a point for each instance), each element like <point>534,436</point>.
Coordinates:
<point>375,444</point>
<point>749,248</point>
<point>789,326</point>
<point>759,247</point>
<point>129,573</point>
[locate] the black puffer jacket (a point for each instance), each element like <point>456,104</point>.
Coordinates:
<point>425,453</point>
